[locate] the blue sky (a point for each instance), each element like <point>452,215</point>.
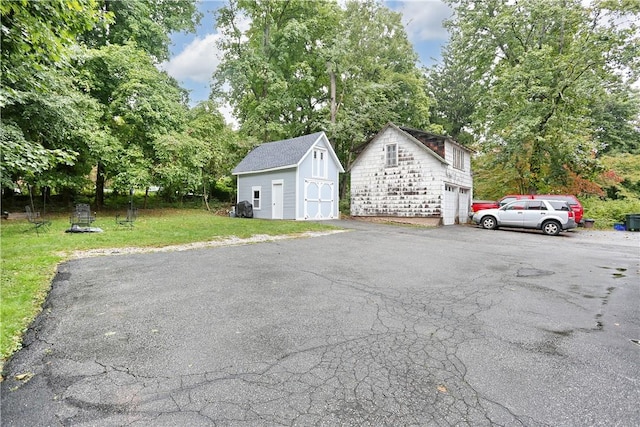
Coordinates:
<point>194,57</point>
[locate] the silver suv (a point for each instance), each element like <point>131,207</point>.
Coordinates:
<point>550,216</point>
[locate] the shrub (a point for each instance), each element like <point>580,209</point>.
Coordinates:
<point>608,212</point>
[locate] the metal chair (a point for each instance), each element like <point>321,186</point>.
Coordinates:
<point>82,216</point>
<point>36,220</point>
<point>129,219</point>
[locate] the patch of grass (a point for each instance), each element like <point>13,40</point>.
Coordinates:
<point>29,260</point>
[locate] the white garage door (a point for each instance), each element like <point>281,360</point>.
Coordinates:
<point>463,205</point>
<point>319,201</point>
<point>450,204</point>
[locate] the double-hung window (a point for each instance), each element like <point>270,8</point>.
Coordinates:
<point>391,155</point>
<point>256,197</point>
<point>458,158</point>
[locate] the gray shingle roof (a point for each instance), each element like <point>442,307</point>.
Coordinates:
<point>277,154</point>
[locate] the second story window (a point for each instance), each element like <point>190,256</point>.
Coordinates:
<point>319,163</point>
<point>391,155</point>
<point>458,158</point>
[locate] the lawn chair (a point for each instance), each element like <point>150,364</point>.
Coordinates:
<point>35,220</point>
<point>127,221</point>
<point>82,216</point>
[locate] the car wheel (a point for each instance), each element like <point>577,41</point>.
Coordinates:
<point>551,228</point>
<point>489,223</point>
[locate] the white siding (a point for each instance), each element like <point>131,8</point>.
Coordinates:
<point>412,189</point>
<point>324,205</point>
<point>421,185</point>
<point>460,184</point>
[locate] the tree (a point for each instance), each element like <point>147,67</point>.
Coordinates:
<point>377,78</point>
<point>140,104</point>
<point>45,120</point>
<point>148,23</point>
<point>275,70</point>
<point>616,119</point>
<point>308,66</point>
<point>205,152</point>
<point>451,89</point>
<point>36,37</point>
<point>539,68</point>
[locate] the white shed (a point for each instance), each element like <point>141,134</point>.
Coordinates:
<point>409,173</point>
<point>295,178</point>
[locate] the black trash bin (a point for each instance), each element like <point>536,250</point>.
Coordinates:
<point>633,222</point>
<point>244,209</point>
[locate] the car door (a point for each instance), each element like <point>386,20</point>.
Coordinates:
<point>512,215</point>
<point>534,213</point>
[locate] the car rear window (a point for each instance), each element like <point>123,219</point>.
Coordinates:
<point>559,205</point>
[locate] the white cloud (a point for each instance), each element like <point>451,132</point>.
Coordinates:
<point>196,62</point>
<point>423,19</point>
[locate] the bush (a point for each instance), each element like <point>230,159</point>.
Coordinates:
<point>608,212</point>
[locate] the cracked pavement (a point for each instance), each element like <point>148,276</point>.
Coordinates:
<point>381,325</point>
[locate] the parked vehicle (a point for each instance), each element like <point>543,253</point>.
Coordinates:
<point>573,201</point>
<point>550,216</point>
<point>478,205</point>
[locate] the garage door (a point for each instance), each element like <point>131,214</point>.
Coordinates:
<point>463,205</point>
<point>319,200</point>
<point>450,204</point>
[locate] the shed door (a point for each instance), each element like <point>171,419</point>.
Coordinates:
<point>277,197</point>
<point>319,200</point>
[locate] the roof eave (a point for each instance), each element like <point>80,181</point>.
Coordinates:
<point>265,170</point>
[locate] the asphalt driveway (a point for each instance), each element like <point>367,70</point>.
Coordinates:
<point>379,325</point>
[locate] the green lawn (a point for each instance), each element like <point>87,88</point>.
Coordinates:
<point>29,260</point>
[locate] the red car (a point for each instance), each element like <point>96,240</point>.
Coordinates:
<point>478,205</point>
<point>575,204</point>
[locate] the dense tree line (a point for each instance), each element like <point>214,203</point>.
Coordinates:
<point>540,89</point>
<point>81,93</point>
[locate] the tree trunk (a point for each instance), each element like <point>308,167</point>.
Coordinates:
<point>205,195</point>
<point>332,76</point>
<point>99,185</point>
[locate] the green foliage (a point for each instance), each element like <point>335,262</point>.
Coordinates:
<point>146,23</point>
<point>618,122</point>
<point>608,212</point>
<point>47,123</point>
<point>67,111</point>
<point>491,179</point>
<point>307,66</point>
<point>141,107</point>
<point>27,274</point>
<point>378,80</point>
<point>36,37</point>
<point>23,158</point>
<point>276,70</point>
<point>621,178</point>
<point>453,100</point>
<point>539,72</point>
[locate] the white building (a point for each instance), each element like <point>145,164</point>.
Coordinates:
<point>404,172</point>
